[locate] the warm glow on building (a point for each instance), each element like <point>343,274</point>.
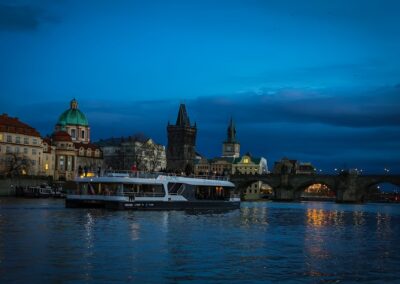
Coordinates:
<point>46,167</point>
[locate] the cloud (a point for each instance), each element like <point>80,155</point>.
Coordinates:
<point>23,17</point>
<point>372,108</point>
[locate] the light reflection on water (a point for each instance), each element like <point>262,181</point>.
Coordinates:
<point>41,241</point>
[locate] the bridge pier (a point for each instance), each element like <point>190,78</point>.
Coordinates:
<point>284,194</point>
<point>348,189</point>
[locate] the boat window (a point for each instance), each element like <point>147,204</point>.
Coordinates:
<point>173,187</point>
<point>212,192</point>
<point>144,189</point>
<point>111,188</point>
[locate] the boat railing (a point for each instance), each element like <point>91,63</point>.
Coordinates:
<point>155,175</point>
<point>149,194</point>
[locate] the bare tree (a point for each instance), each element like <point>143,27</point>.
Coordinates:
<point>148,156</point>
<point>16,164</point>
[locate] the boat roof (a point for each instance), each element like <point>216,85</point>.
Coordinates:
<point>160,179</point>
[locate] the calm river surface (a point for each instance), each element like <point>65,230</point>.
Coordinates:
<point>41,242</point>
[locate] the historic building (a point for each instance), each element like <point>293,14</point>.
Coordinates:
<point>286,166</point>
<point>232,163</point>
<point>74,154</point>
<point>20,148</point>
<point>49,157</point>
<point>231,147</point>
<point>74,122</point>
<point>133,153</point>
<point>181,151</point>
<point>249,165</point>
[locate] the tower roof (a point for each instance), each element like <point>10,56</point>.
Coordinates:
<point>231,131</point>
<point>183,118</point>
<point>73,116</point>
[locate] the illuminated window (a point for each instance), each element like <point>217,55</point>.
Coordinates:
<point>46,167</point>
<point>246,160</point>
<point>1,137</point>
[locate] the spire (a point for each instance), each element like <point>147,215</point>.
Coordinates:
<point>231,131</point>
<point>183,118</point>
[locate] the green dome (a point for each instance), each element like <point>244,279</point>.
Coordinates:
<point>73,116</point>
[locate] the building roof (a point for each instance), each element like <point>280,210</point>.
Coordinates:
<point>86,146</point>
<point>61,136</point>
<point>254,160</point>
<point>73,116</point>
<point>14,125</point>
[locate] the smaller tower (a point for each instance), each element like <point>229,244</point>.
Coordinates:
<point>231,147</point>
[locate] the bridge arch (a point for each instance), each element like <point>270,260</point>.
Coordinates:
<point>382,192</point>
<point>256,186</point>
<point>316,190</point>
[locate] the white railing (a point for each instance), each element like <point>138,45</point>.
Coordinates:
<point>142,174</point>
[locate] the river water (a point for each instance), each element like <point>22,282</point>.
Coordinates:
<point>310,242</point>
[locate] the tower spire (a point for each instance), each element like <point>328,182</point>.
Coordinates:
<point>183,118</point>
<point>231,131</point>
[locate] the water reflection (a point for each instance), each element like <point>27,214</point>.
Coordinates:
<point>358,218</point>
<point>263,241</point>
<point>135,231</point>
<point>320,218</point>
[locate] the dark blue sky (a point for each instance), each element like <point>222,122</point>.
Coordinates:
<point>312,80</point>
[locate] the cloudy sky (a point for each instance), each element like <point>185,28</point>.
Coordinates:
<point>311,80</point>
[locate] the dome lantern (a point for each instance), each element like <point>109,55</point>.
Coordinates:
<point>74,104</point>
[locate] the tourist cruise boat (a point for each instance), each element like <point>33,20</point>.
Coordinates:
<point>152,191</point>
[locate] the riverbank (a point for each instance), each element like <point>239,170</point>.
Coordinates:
<point>8,185</point>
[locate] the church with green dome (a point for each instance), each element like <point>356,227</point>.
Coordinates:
<point>74,122</point>
<point>71,147</point>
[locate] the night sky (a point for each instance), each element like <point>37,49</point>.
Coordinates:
<point>317,81</point>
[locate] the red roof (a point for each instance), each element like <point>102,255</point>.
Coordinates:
<point>14,125</point>
<point>61,136</point>
<point>86,146</point>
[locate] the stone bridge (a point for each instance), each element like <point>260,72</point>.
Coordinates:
<point>349,187</point>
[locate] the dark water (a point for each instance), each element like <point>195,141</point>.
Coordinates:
<point>41,241</point>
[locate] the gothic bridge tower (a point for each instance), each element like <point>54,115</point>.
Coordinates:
<point>181,143</point>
